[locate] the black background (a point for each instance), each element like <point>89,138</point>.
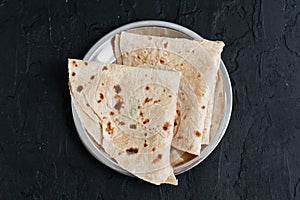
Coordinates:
<point>41,155</point>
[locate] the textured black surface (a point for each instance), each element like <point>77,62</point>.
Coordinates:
<point>41,156</point>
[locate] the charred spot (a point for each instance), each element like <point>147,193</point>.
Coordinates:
<point>170,96</point>
<point>205,129</point>
<point>108,128</point>
<point>181,64</point>
<point>104,68</point>
<point>164,90</point>
<point>121,123</point>
<point>117,89</point>
<point>102,84</point>
<point>132,126</point>
<point>92,77</point>
<point>120,104</point>
<point>158,158</point>
<point>175,123</point>
<point>203,107</point>
<point>141,114</point>
<point>153,149</point>
<point>88,105</point>
<point>147,87</point>
<point>132,150</point>
<point>147,100</point>
<point>166,126</point>
<point>101,96</point>
<point>139,57</point>
<point>198,134</point>
<point>111,113</point>
<point>145,143</point>
<point>146,121</point>
<point>74,63</point>
<point>166,45</point>
<point>156,101</point>
<point>139,107</point>
<point>85,63</point>
<point>145,134</point>
<point>199,76</point>
<point>73,73</point>
<point>178,112</point>
<point>161,61</point>
<point>79,88</point>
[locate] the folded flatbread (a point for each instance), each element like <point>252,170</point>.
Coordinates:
<point>198,61</point>
<point>137,108</point>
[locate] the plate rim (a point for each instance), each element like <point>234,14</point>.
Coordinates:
<point>227,104</point>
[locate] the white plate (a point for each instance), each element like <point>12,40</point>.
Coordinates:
<point>103,51</point>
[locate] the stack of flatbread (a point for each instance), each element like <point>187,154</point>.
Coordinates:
<point>151,107</point>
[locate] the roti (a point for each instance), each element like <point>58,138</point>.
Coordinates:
<point>198,61</point>
<point>136,107</point>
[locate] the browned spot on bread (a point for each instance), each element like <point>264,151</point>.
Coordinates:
<point>121,123</point>
<point>139,107</point>
<point>104,117</point>
<point>164,90</point>
<point>158,158</point>
<point>139,57</point>
<point>145,134</point>
<point>178,112</point>
<point>205,129</point>
<point>148,100</point>
<point>120,153</point>
<point>166,45</point>
<point>175,123</point>
<point>145,143</point>
<point>111,113</point>
<point>147,87</point>
<point>161,61</point>
<point>197,133</point>
<point>88,105</point>
<point>132,150</point>
<point>146,121</point>
<point>101,97</point>
<point>74,63</point>
<point>73,73</point>
<point>153,149</point>
<point>79,88</point>
<point>104,68</point>
<point>166,126</point>
<point>109,129</point>
<point>199,76</point>
<point>132,126</point>
<point>117,88</point>
<point>102,84</point>
<point>85,63</point>
<point>181,64</point>
<point>149,38</point>
<point>156,101</point>
<point>203,107</point>
<point>92,77</point>
<point>141,114</point>
<point>120,103</point>
<point>170,96</point>
<point>179,137</point>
